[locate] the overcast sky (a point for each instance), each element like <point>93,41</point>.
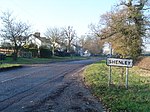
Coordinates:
<point>42,14</point>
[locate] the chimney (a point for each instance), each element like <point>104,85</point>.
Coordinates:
<point>37,34</point>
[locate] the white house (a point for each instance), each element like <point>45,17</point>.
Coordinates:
<point>107,48</point>
<point>38,40</point>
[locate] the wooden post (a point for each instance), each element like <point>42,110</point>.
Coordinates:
<point>127,72</point>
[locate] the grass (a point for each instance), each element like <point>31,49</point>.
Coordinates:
<point>8,65</point>
<point>39,60</point>
<point>9,62</point>
<point>117,97</point>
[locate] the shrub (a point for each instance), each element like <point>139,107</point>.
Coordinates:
<point>61,53</point>
<point>45,53</point>
<point>2,56</point>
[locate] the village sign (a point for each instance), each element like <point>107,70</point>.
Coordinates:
<point>121,63</point>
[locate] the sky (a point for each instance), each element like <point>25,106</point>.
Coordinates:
<point>43,14</point>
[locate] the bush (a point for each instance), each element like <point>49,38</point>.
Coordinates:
<point>34,52</point>
<point>144,62</point>
<point>61,53</point>
<point>26,54</point>
<point>2,56</point>
<point>45,53</point>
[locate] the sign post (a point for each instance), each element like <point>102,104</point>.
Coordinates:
<point>109,81</point>
<point>121,63</point>
<point>127,72</point>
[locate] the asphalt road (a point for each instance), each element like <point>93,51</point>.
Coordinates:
<point>55,87</point>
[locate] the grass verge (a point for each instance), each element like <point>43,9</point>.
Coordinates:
<point>9,62</point>
<point>39,60</point>
<point>8,65</point>
<point>116,97</point>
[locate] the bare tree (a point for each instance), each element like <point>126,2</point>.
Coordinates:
<point>69,34</point>
<point>92,44</point>
<point>15,31</point>
<point>54,36</point>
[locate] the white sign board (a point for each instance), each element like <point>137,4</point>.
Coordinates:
<point>119,62</point>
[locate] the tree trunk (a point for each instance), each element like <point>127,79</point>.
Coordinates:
<point>15,53</point>
<point>53,51</point>
<point>69,47</point>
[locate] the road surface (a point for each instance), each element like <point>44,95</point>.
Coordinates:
<point>55,87</point>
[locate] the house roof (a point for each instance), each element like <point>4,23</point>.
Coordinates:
<point>42,39</point>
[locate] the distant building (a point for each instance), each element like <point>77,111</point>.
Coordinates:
<point>86,53</point>
<point>106,48</point>
<point>38,40</point>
